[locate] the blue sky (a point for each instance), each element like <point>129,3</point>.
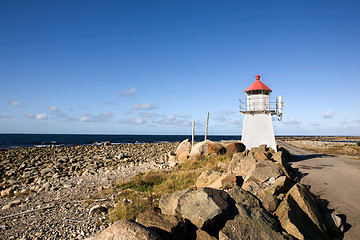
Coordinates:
<point>152,67</point>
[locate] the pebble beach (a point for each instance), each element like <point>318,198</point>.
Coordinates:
<point>64,192</point>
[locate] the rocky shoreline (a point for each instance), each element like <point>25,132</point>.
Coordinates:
<point>67,192</point>
<point>54,188</point>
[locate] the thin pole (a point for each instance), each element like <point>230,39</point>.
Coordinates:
<point>193,132</point>
<point>207,125</point>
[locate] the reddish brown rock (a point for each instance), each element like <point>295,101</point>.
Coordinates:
<point>235,148</point>
<point>217,148</point>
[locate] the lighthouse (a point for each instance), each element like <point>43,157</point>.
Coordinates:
<point>258,108</point>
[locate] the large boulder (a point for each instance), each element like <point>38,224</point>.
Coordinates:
<point>262,171</point>
<point>299,215</point>
<point>251,222</point>
<point>202,235</point>
<point>240,165</point>
<point>184,147</point>
<point>200,149</point>
<point>183,156</point>
<point>233,148</point>
<point>209,178</point>
<point>269,195</point>
<point>126,230</point>
<point>166,226</point>
<point>169,202</point>
<point>217,180</point>
<point>207,208</point>
<point>217,148</point>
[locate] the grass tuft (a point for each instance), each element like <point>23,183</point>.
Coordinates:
<point>134,197</point>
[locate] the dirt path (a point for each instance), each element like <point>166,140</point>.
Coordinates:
<point>336,179</point>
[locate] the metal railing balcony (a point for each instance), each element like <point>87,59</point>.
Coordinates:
<point>250,106</point>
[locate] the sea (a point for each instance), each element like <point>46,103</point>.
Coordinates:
<point>44,140</point>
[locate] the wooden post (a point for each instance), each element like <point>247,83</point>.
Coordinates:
<point>193,132</point>
<point>207,125</point>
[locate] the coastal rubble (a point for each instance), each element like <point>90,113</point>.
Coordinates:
<point>65,193</point>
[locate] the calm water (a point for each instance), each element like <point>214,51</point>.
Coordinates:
<point>30,140</point>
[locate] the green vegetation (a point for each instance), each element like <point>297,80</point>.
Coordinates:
<point>145,189</point>
<point>358,143</point>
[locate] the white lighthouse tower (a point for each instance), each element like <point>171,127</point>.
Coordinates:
<point>258,127</point>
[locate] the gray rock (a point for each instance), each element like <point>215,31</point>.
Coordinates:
<point>126,230</point>
<point>263,171</point>
<point>98,209</point>
<point>299,215</point>
<point>333,223</point>
<point>166,226</point>
<point>206,208</point>
<point>241,165</point>
<point>251,222</point>
<point>200,149</point>
<point>169,202</point>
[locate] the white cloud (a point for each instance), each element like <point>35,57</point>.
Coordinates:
<point>103,117</point>
<point>173,120</point>
<point>56,111</point>
<point>15,103</point>
<point>129,92</point>
<point>235,121</point>
<point>148,114</point>
<point>53,108</point>
<point>291,121</point>
<point>132,121</point>
<point>142,106</point>
<point>328,115</point>
<point>38,116</point>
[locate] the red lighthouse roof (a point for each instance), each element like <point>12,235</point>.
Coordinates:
<point>257,85</point>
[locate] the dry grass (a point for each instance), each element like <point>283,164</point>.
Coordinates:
<point>156,183</point>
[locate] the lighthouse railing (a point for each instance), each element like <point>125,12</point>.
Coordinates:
<point>249,106</point>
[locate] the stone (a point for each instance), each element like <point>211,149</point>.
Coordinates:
<point>166,226</point>
<point>240,164</point>
<point>107,143</point>
<point>260,156</point>
<point>209,178</point>
<point>184,147</point>
<point>202,235</point>
<point>230,180</point>
<point>98,209</point>
<point>299,215</point>
<point>333,223</point>
<point>7,206</point>
<point>263,171</point>
<point>171,164</point>
<point>269,201</point>
<point>126,230</point>
<point>233,148</point>
<point>169,202</point>
<point>8,192</point>
<point>16,202</point>
<point>207,208</point>
<point>217,148</point>
<point>183,156</point>
<point>45,171</point>
<point>200,149</point>
<point>217,180</point>
<point>251,222</point>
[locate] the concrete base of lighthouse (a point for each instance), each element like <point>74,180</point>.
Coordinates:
<point>258,129</point>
